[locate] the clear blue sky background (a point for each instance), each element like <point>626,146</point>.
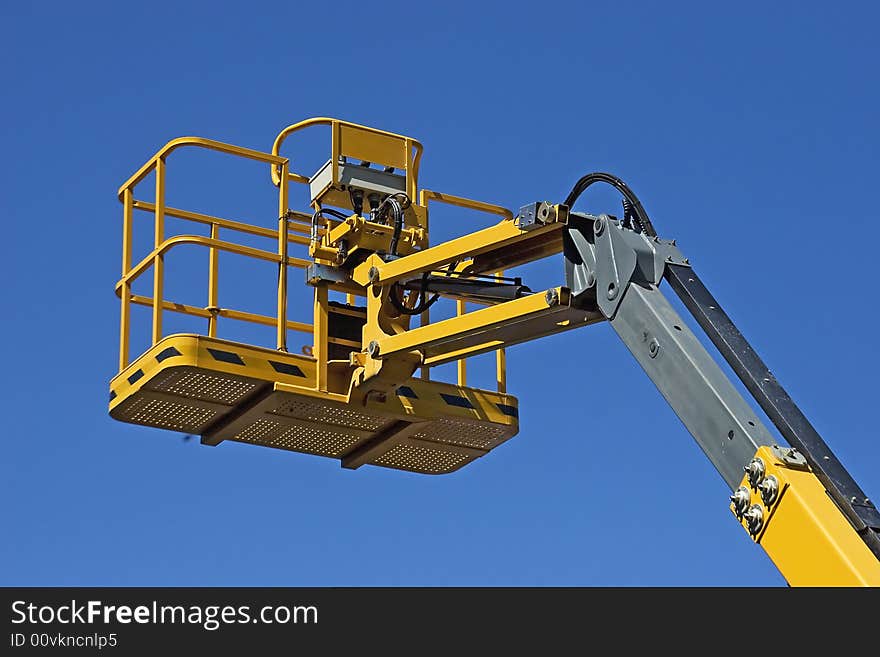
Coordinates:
<point>749,130</point>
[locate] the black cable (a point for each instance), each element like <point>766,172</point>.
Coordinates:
<point>397,211</point>
<point>333,213</point>
<point>398,203</point>
<point>423,304</point>
<point>639,214</point>
<point>403,205</point>
<point>317,215</point>
<point>403,199</point>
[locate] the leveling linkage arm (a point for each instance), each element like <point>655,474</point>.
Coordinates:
<point>798,502</point>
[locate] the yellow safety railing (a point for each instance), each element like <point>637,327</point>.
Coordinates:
<point>347,139</point>
<point>425,197</point>
<point>293,227</point>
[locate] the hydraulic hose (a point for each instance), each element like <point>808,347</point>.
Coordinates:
<point>641,217</point>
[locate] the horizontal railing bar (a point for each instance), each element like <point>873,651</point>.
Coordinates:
<point>263,319</point>
<point>338,310</point>
<point>207,219</point>
<point>241,315</point>
<point>469,204</point>
<point>199,240</point>
<point>182,308</point>
<point>200,142</point>
<point>344,342</point>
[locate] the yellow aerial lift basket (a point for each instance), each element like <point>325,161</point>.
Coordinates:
<point>335,399</point>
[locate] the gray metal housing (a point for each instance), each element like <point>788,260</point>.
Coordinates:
<point>358,177</point>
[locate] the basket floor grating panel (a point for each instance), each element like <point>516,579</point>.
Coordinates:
<point>417,458</point>
<point>166,414</point>
<point>315,410</point>
<point>220,405</point>
<point>298,438</point>
<point>194,383</point>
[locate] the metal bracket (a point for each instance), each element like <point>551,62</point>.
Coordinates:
<point>317,274</point>
<point>533,215</point>
<point>540,213</point>
<point>790,456</point>
<point>615,263</point>
<point>600,252</point>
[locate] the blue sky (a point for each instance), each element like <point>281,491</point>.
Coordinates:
<point>749,131</point>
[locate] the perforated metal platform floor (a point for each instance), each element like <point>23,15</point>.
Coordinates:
<point>222,390</point>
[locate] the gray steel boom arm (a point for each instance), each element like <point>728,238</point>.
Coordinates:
<point>620,270</point>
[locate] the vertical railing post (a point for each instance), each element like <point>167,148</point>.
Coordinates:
<point>501,370</point>
<point>125,311</point>
<point>425,317</point>
<point>159,260</point>
<point>411,182</point>
<point>501,358</point>
<point>335,150</point>
<point>424,320</point>
<point>321,326</point>
<point>283,215</point>
<point>460,309</point>
<point>213,274</point>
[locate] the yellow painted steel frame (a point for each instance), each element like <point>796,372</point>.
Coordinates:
<point>804,533</point>
<point>225,390</point>
<point>294,227</point>
<point>395,350</point>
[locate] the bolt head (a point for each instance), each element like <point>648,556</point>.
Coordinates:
<point>599,226</point>
<point>769,489</point>
<point>740,499</point>
<point>755,471</point>
<point>754,518</point>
